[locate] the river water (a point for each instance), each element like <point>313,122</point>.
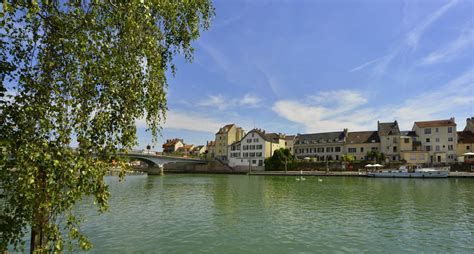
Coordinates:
<point>265,214</point>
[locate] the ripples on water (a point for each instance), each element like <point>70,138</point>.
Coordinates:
<point>254,214</point>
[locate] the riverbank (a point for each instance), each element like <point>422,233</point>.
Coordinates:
<point>341,173</point>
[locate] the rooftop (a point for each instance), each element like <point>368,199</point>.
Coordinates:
<point>387,129</point>
<point>436,123</point>
<point>362,137</point>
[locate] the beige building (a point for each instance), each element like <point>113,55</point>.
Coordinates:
<point>252,150</point>
<point>289,143</point>
<point>411,149</point>
<point>211,148</point>
<point>224,137</point>
<point>197,150</point>
<point>438,138</point>
<point>389,134</point>
<point>466,140</point>
<point>172,145</point>
<point>327,146</point>
<point>359,143</point>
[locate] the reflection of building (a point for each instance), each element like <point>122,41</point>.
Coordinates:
<point>466,141</point>
<point>438,139</point>
<point>226,136</point>
<point>359,143</point>
<point>389,134</point>
<point>172,145</point>
<point>321,146</point>
<point>254,148</point>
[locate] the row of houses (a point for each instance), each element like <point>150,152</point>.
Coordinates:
<point>177,145</point>
<point>435,141</point>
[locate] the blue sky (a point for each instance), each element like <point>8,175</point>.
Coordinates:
<point>313,66</point>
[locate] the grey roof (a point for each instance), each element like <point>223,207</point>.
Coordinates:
<point>316,138</point>
<point>362,137</point>
<point>386,129</point>
<point>408,133</point>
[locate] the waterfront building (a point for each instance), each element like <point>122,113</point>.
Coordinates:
<point>224,137</point>
<point>360,142</point>
<point>465,139</point>
<point>438,139</point>
<point>326,146</point>
<point>253,148</point>
<point>211,148</point>
<point>199,150</point>
<point>389,134</point>
<point>172,145</point>
<point>289,143</point>
<point>411,149</point>
<point>186,149</point>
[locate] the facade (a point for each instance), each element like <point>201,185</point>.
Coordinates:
<point>389,134</point>
<point>252,150</point>
<point>289,143</point>
<point>211,148</point>
<point>172,145</point>
<point>465,140</point>
<point>186,149</point>
<point>438,138</point>
<point>199,150</point>
<point>224,137</point>
<point>359,143</point>
<point>411,149</point>
<point>327,146</point>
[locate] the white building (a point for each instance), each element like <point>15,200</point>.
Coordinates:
<point>252,150</point>
<point>438,138</point>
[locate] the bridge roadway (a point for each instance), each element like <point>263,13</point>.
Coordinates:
<point>156,162</point>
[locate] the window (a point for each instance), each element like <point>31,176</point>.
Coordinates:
<point>259,154</point>
<point>428,131</point>
<point>394,148</point>
<point>252,154</point>
<point>394,140</point>
<point>337,157</point>
<point>427,140</point>
<point>450,129</point>
<point>321,150</point>
<point>450,139</point>
<point>249,140</point>
<point>450,147</point>
<point>260,162</point>
<point>338,149</point>
<point>361,149</point>
<point>413,156</point>
<point>246,147</point>
<point>252,147</point>
<point>467,147</point>
<point>406,140</point>
<point>437,140</point>
<point>252,135</point>
<point>254,161</point>
<point>437,148</point>
<point>352,150</point>
<point>259,146</point>
<point>428,148</point>
<point>256,140</point>
<point>437,129</point>
<point>374,149</point>
<point>246,155</point>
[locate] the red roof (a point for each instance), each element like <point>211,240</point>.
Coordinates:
<point>436,123</point>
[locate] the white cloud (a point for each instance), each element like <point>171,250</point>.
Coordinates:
<point>335,110</point>
<point>364,65</point>
<point>452,50</point>
<point>222,103</point>
<point>250,100</point>
<point>187,121</point>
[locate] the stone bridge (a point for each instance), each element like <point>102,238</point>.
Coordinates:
<point>156,162</point>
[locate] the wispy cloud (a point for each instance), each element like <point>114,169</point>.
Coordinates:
<point>349,109</point>
<point>187,121</point>
<point>414,36</point>
<point>452,50</point>
<point>410,41</point>
<point>222,103</point>
<point>364,65</point>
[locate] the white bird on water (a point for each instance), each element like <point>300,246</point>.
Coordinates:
<point>320,180</point>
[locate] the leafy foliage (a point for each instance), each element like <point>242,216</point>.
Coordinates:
<point>79,72</point>
<point>278,160</point>
<point>376,156</point>
<point>348,158</point>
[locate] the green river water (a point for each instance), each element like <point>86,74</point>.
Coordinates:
<point>272,214</point>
